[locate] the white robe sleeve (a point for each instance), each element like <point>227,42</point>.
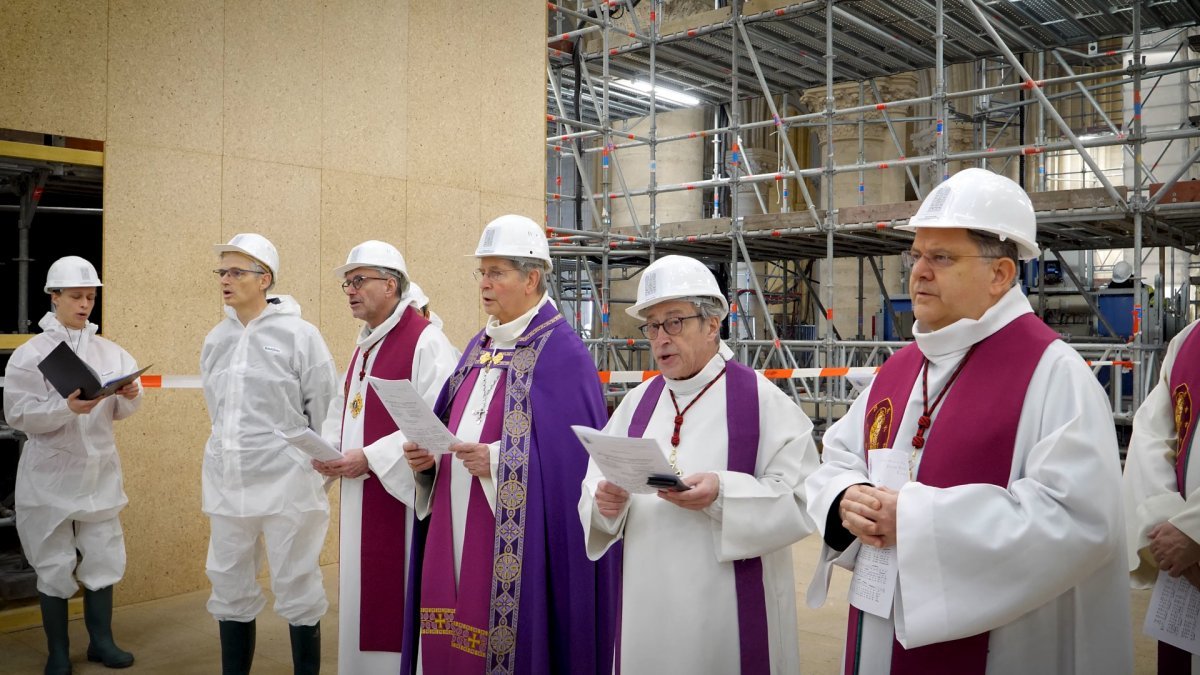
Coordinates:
<point>29,404</point>
<point>434,360</point>
<point>964,551</point>
<point>331,430</point>
<point>1150,490</point>
<point>601,532</point>
<point>757,514</point>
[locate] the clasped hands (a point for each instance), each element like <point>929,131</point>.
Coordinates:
<point>1175,553</point>
<point>610,498</point>
<point>869,513</point>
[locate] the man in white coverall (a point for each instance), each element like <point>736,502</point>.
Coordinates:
<point>984,457</point>
<point>396,343</point>
<point>69,488</point>
<point>264,369</point>
<point>719,552</point>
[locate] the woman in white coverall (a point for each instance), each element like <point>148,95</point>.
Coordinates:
<point>263,369</point>
<point>69,489</point>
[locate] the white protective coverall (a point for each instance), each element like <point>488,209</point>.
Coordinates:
<point>273,373</point>
<point>69,488</point>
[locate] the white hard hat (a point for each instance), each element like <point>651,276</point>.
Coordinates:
<point>513,236</point>
<point>71,272</point>
<point>1122,272</point>
<point>673,277</point>
<point>977,199</point>
<point>373,253</point>
<point>257,247</point>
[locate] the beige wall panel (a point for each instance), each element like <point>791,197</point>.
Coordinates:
<point>364,92</point>
<point>512,126</point>
<point>166,535</point>
<point>273,80</point>
<point>443,228</point>
<point>444,97</point>
<point>282,203</point>
<point>162,212</point>
<point>164,73</point>
<point>354,208</point>
<point>52,74</point>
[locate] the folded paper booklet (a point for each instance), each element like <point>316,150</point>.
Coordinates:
<point>67,372</point>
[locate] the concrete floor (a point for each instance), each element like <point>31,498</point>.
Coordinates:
<point>176,635</point>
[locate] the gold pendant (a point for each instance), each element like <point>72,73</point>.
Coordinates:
<point>356,405</point>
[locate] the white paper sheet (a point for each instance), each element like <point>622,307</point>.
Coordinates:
<point>413,415</point>
<point>310,443</point>
<point>874,583</point>
<point>1174,613</point>
<point>625,462</point>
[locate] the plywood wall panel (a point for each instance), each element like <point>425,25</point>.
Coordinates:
<point>52,74</point>
<point>364,58</point>
<point>354,208</point>
<point>444,228</point>
<point>272,92</point>
<point>283,203</point>
<point>164,73</point>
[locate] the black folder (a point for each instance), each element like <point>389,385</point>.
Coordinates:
<point>67,372</point>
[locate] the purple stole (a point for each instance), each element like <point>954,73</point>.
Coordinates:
<point>966,444</point>
<point>383,516</point>
<point>741,403</point>
<point>454,617</point>
<point>1185,376</point>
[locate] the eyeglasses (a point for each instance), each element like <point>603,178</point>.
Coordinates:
<point>234,273</point>
<point>672,325</point>
<point>358,281</point>
<point>938,261</point>
<point>493,275</point>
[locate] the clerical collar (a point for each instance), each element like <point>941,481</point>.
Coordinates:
<point>695,383</point>
<point>954,340</point>
<point>505,335</point>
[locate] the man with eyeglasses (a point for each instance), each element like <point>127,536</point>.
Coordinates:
<point>264,369</point>
<point>396,342</point>
<point>974,486</point>
<point>719,551</point>
<point>499,580</point>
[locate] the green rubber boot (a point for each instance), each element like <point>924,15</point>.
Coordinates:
<point>306,649</point>
<point>237,647</point>
<point>54,622</point>
<point>97,615</point>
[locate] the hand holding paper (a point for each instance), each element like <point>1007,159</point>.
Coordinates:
<point>413,415</point>
<point>626,462</point>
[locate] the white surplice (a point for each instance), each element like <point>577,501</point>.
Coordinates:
<point>679,603</point>
<point>1151,494</point>
<point>1040,564</point>
<point>434,360</point>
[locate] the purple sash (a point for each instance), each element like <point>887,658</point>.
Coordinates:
<point>383,516</point>
<point>963,446</point>
<point>741,403</point>
<point>454,617</point>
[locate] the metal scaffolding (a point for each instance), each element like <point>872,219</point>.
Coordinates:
<point>785,259</point>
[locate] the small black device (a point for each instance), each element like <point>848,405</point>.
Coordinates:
<point>666,481</point>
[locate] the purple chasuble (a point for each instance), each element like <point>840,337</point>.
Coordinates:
<point>380,628</point>
<point>1184,379</point>
<point>741,403</point>
<point>454,616</point>
<point>963,446</point>
<point>549,609</point>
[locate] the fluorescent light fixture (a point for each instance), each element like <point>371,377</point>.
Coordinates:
<point>662,93</point>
